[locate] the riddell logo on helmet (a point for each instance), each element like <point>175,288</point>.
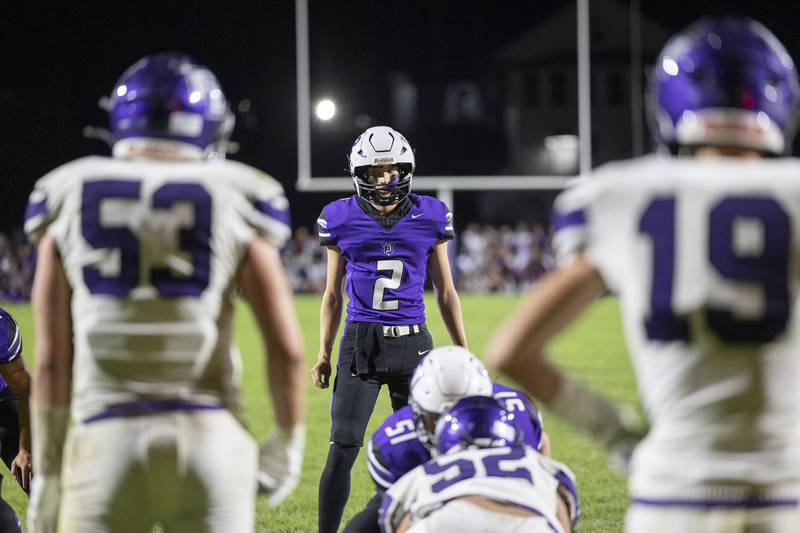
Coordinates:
<point>385,160</point>
<point>739,127</point>
<point>153,149</point>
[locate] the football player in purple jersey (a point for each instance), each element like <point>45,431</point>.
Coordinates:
<point>15,430</point>
<point>381,241</point>
<point>405,439</point>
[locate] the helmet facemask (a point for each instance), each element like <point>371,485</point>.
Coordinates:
<point>380,147</point>
<point>383,194</point>
<point>425,422</point>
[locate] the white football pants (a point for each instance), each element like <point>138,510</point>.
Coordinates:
<point>464,517</point>
<point>190,471</point>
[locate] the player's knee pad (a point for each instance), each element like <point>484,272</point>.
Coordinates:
<point>340,454</point>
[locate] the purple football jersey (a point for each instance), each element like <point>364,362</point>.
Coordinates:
<point>526,416</point>
<point>385,266</point>
<point>395,448</point>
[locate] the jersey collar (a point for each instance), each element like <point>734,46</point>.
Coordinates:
<point>390,220</point>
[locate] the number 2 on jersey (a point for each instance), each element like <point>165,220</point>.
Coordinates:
<point>381,284</point>
<point>768,268</point>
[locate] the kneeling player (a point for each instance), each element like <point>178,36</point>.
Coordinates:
<point>15,433</point>
<point>484,479</point>
<point>404,440</point>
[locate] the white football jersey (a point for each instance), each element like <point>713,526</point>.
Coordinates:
<point>517,476</point>
<point>151,250</point>
<point>703,255</point>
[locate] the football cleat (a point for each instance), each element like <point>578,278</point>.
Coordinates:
<point>381,146</point>
<point>169,99</point>
<point>724,81</point>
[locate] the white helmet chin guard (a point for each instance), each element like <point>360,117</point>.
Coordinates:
<point>446,375</point>
<point>381,146</point>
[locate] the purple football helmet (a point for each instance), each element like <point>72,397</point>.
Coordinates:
<point>10,337</point>
<point>724,81</point>
<point>478,421</point>
<point>169,97</point>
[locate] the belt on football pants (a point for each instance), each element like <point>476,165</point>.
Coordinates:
<point>370,353</point>
<point>400,331</point>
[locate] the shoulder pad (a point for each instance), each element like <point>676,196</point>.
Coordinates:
<point>339,211</point>
<point>269,214</point>
<point>439,213</point>
<point>44,203</point>
<point>332,218</point>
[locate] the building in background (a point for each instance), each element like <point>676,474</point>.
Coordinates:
<point>538,79</point>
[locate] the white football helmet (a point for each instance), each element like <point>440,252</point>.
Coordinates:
<point>381,146</point>
<point>446,375</point>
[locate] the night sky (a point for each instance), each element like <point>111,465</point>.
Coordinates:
<point>59,57</point>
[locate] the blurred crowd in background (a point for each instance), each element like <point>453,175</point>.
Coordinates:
<point>487,259</point>
<point>17,264</point>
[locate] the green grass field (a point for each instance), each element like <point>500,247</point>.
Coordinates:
<point>593,350</point>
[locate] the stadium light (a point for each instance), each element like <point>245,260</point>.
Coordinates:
<point>325,109</point>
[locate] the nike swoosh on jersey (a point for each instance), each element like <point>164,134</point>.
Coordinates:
<point>422,352</point>
<point>417,215</point>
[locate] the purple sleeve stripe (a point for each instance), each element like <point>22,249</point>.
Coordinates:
<point>568,484</point>
<point>572,218</point>
<point>35,208</point>
<point>266,208</point>
<point>374,458</point>
<point>384,521</point>
<point>382,475</point>
<point>378,477</point>
<point>747,503</point>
